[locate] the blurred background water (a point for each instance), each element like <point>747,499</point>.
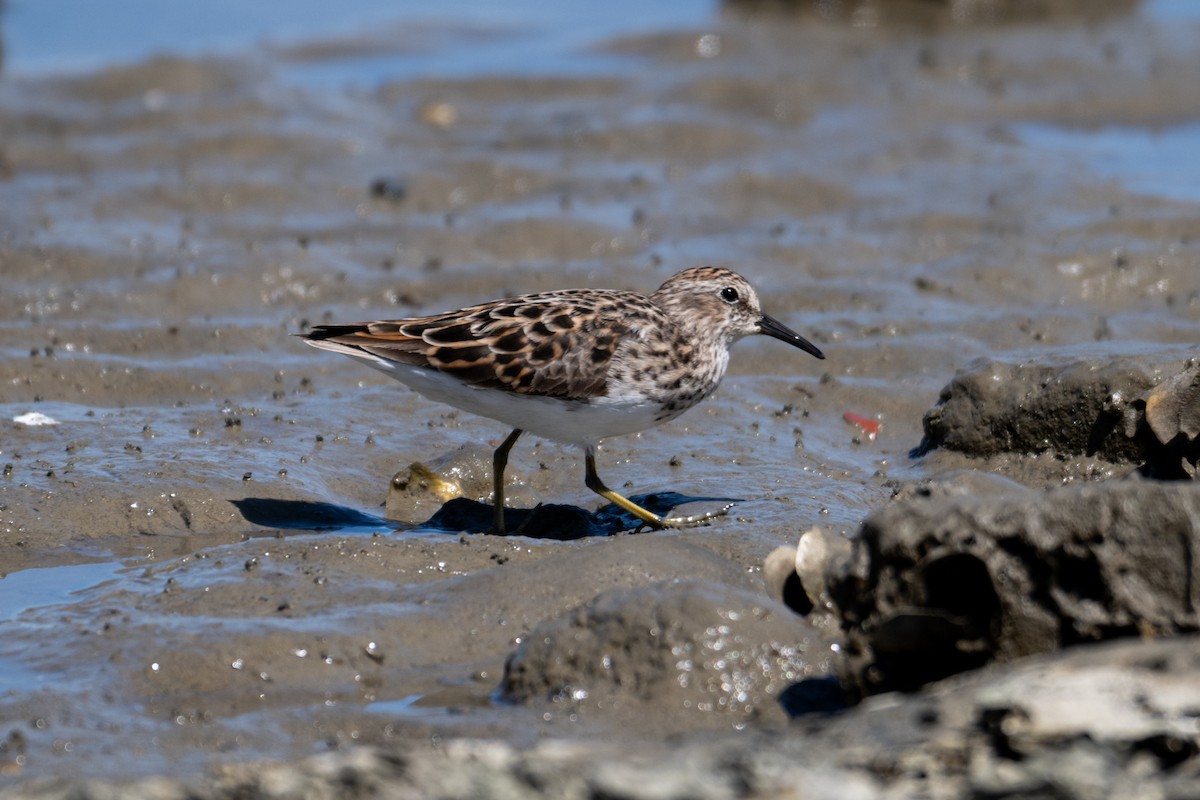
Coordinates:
<point>53,36</point>
<point>56,36</point>
<point>471,37</point>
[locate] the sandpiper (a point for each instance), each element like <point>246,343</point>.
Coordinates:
<point>573,366</point>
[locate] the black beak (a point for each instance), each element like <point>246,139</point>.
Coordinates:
<point>769,326</point>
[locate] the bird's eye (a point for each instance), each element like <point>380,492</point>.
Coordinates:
<point>729,294</point>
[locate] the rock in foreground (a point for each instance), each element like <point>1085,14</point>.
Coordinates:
<point>1101,721</point>
<point>945,584</point>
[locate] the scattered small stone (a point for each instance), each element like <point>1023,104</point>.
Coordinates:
<point>392,189</point>
<point>438,113</point>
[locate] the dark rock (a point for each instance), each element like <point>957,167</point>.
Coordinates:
<point>942,585</point>
<point>1077,408</point>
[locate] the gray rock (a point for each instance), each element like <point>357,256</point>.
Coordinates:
<point>1116,720</point>
<point>713,651</point>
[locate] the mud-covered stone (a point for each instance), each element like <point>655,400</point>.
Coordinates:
<point>1093,407</point>
<point>945,584</point>
<point>716,650</point>
<point>419,490</point>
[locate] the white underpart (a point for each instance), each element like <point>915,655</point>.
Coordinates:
<point>570,422</point>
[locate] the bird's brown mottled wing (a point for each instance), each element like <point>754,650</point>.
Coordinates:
<point>557,344</point>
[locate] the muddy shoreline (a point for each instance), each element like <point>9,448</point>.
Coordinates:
<point>214,585</point>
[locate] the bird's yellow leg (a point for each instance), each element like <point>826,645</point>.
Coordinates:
<point>499,462</point>
<point>592,479</point>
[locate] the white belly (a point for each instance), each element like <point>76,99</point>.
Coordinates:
<point>566,421</point>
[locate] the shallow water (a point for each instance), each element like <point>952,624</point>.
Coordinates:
<point>1154,161</point>
<point>913,199</point>
<point>31,588</point>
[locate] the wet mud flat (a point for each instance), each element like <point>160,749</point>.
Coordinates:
<point>218,577</point>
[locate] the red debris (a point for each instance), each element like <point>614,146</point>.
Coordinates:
<point>869,426</point>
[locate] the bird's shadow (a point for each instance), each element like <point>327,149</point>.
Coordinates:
<point>461,515</point>
<point>305,515</point>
